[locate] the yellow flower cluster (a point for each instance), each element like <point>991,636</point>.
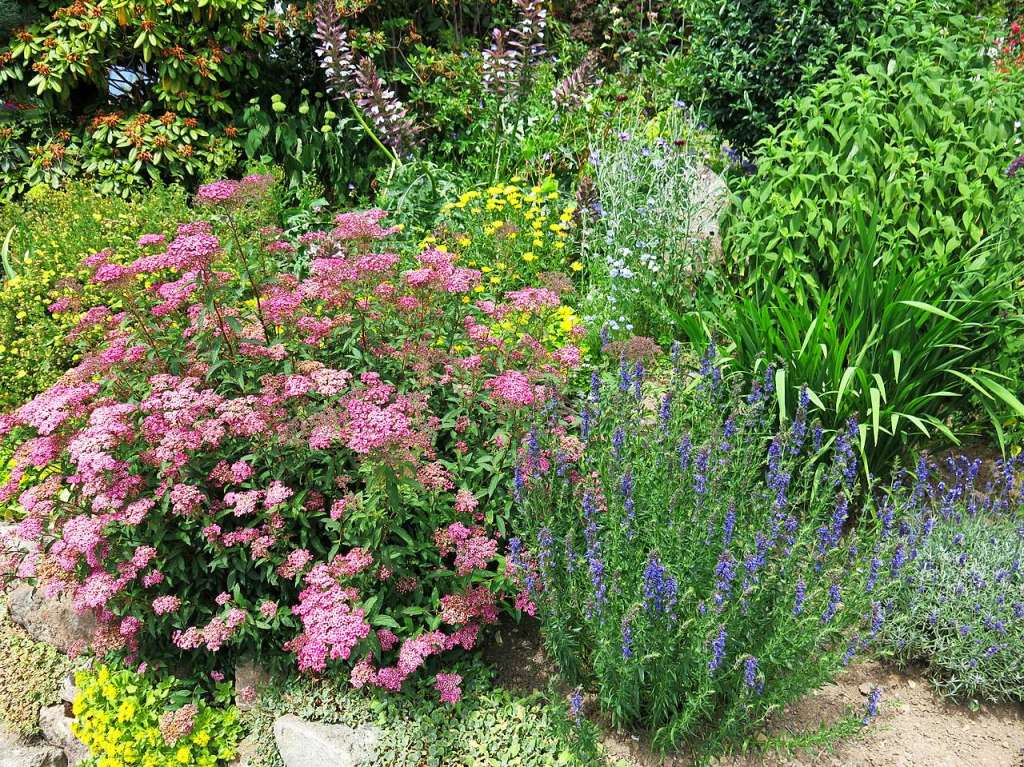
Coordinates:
<point>515,234</point>
<point>118,717</point>
<point>510,232</point>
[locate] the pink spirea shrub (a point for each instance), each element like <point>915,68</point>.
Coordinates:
<point>258,462</point>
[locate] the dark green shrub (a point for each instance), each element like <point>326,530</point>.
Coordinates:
<point>745,59</point>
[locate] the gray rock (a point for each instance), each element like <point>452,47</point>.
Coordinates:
<point>248,749</point>
<point>250,676</point>
<point>68,690</point>
<point>53,621</point>
<point>315,744</point>
<point>56,728</point>
<point>15,753</point>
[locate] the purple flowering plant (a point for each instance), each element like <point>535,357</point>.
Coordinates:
<point>695,567</point>
<point>958,600</point>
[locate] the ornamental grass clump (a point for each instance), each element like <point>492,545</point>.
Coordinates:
<point>255,462</point>
<point>696,568</point>
<point>958,603</point>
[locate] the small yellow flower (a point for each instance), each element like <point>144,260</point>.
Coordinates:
<point>576,266</point>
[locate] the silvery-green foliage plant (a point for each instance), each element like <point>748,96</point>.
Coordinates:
<point>650,228</point>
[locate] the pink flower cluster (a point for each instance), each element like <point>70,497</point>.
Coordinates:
<point>331,624</point>
<point>249,428</point>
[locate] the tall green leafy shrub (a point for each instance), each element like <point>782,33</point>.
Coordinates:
<point>857,243</point>
<point>914,133</point>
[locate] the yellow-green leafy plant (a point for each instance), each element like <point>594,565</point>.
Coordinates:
<point>128,718</point>
<point>46,236</point>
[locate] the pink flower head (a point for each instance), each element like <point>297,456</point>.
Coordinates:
<point>362,225</point>
<point>363,674</point>
<point>165,605</point>
<point>465,501</point>
<point>533,299</point>
<point>512,388</point>
<point>151,239</point>
<point>277,494</point>
<point>448,686</point>
<point>387,638</point>
<point>218,192</point>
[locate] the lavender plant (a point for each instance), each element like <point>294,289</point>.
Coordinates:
<point>958,602</point>
<point>695,568</point>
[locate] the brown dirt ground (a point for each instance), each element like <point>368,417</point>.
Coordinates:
<point>915,727</point>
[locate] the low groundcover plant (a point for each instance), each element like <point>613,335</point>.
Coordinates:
<point>128,718</point>
<point>958,604</point>
<point>256,462</point>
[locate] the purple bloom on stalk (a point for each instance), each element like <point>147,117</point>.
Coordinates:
<point>717,650</point>
<point>618,440</point>
<point>684,453</point>
<point>708,369</point>
<point>659,591</point>
<point>817,436</point>
<point>595,387</point>
<point>725,572</point>
<point>877,618</point>
<point>665,412</point>
<point>800,596</point>
<point>585,423</point>
<point>750,674</point>
<point>627,639</point>
<point>628,504</point>
<point>834,596</point>
<point>1014,167</point>
<point>873,574</point>
<point>700,477</point>
<point>729,524</point>
<point>544,543</point>
<point>576,704</point>
<point>851,650</point>
<point>638,380</point>
<point>515,551</point>
<point>872,708</point>
<point>625,381</point>
<point>899,558</point>
<point>518,483</point>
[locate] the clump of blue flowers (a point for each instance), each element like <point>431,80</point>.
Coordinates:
<point>712,568</point>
